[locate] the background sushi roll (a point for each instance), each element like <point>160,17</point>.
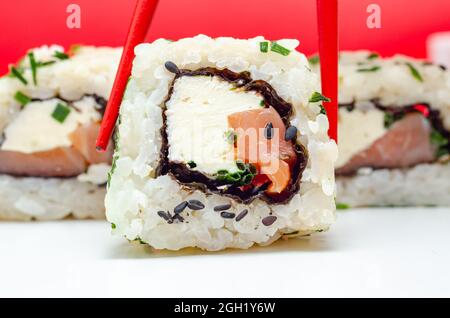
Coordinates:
<point>181,175</point>
<point>394,131</point>
<point>51,105</point>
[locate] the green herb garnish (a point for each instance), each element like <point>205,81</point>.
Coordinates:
<point>192,164</point>
<point>438,139</point>
<point>342,206</point>
<point>61,112</point>
<point>242,177</point>
<point>414,72</point>
<point>441,142</point>
<point>264,46</point>
<point>442,152</point>
<point>42,64</point>
<point>277,48</point>
<point>21,98</point>
<point>373,56</point>
<point>370,69</point>
<point>388,120</point>
<point>18,74</point>
<point>61,55</point>
<point>313,60</point>
<point>34,67</point>
<point>262,103</point>
<point>317,97</point>
<point>230,136</point>
<point>113,226</point>
<point>323,110</point>
<point>113,168</point>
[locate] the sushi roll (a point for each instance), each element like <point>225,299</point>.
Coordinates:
<point>221,143</point>
<point>394,131</point>
<point>51,105</point>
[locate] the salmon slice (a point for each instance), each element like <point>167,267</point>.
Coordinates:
<point>407,143</point>
<point>83,139</point>
<point>253,147</point>
<point>60,162</point>
<point>279,176</point>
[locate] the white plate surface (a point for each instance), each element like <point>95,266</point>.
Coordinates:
<point>368,252</point>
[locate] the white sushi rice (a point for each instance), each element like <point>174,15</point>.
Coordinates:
<point>90,70</point>
<point>394,85</point>
<point>135,195</point>
<point>49,199</point>
<point>422,185</point>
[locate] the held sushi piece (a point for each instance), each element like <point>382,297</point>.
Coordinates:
<point>51,105</point>
<point>219,146</point>
<point>394,131</point>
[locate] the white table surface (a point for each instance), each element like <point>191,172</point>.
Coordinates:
<point>377,252</point>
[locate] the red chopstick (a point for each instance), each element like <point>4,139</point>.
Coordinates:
<point>140,23</point>
<point>327,18</point>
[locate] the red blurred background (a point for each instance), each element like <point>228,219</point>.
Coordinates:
<point>405,23</point>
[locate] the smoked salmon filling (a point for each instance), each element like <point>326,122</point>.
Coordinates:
<point>226,133</point>
<point>53,138</point>
<point>410,135</point>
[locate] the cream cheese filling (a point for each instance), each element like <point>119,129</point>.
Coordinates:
<point>197,121</point>
<point>34,129</point>
<point>357,131</point>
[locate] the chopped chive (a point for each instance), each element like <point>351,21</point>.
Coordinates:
<point>113,226</point>
<point>74,48</point>
<point>252,169</point>
<point>16,73</point>
<point>247,179</point>
<point>323,110</point>
<point>438,139</point>
<point>61,55</point>
<point>388,120</point>
<point>42,64</point>
<point>262,103</point>
<point>317,97</point>
<point>313,60</point>
<point>414,72</point>
<point>34,66</point>
<point>277,48</point>
<point>113,168</point>
<point>342,206</point>
<point>21,98</point>
<point>230,136</point>
<point>442,152</point>
<point>370,69</point>
<point>373,56</point>
<point>240,165</point>
<point>192,164</point>
<point>242,177</point>
<point>61,112</point>
<point>264,46</point>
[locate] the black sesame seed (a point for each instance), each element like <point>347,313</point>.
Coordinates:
<point>222,207</point>
<point>291,132</point>
<point>170,221</point>
<point>180,207</point>
<point>164,215</point>
<point>178,217</point>
<point>241,215</point>
<point>269,220</point>
<point>268,131</point>
<point>172,67</point>
<point>195,205</point>
<point>227,215</point>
